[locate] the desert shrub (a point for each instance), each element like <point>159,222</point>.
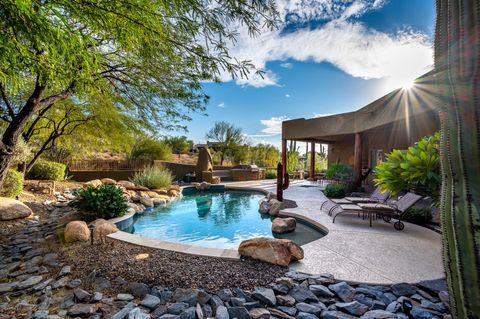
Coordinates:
<point>336,190</point>
<point>150,149</point>
<point>418,168</point>
<point>418,215</point>
<point>271,174</point>
<point>293,161</point>
<point>153,177</point>
<point>106,201</point>
<point>13,184</point>
<point>46,170</point>
<point>340,172</point>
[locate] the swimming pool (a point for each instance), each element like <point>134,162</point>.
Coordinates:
<point>217,219</point>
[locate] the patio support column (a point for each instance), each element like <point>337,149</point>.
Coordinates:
<point>284,155</point>
<point>357,162</point>
<point>312,161</point>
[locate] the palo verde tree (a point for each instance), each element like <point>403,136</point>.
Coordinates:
<point>227,136</point>
<point>148,55</point>
<point>457,73</point>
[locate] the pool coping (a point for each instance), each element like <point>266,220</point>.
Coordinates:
<point>231,254</point>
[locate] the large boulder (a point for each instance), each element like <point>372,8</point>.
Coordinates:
<point>93,183</point>
<point>275,251</point>
<point>264,206</point>
<point>13,209</point>
<point>127,185</point>
<point>173,192</point>
<point>103,228</point>
<point>159,201</point>
<point>284,225</point>
<point>146,201</point>
<point>275,206</point>
<point>76,230</point>
<point>108,181</point>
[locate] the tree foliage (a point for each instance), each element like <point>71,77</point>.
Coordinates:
<point>293,161</point>
<point>227,136</point>
<point>178,144</point>
<point>148,56</point>
<point>147,148</point>
<point>418,168</point>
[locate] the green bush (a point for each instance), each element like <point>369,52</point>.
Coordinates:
<point>336,190</point>
<point>418,168</point>
<point>340,172</point>
<point>418,215</point>
<point>293,161</point>
<point>150,149</point>
<point>13,184</point>
<point>106,201</point>
<point>271,174</point>
<point>153,177</point>
<point>46,170</point>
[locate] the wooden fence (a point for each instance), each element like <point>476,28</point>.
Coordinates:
<point>107,165</point>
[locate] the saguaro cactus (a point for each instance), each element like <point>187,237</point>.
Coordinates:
<point>283,181</point>
<point>457,67</point>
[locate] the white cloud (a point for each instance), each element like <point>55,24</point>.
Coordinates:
<point>321,114</point>
<point>273,126</point>
<point>287,95</point>
<point>221,105</point>
<point>349,45</point>
<point>286,65</point>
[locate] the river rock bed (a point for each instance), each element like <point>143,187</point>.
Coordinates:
<point>42,280</point>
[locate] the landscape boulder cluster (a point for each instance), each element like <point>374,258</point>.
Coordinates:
<point>138,197</point>
<point>270,205</point>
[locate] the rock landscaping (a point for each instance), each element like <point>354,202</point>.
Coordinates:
<point>37,283</point>
<point>275,251</point>
<point>42,279</point>
<point>284,225</point>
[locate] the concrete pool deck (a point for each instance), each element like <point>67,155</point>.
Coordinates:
<point>355,252</point>
<point>351,250</point>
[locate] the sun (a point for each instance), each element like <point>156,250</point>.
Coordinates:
<point>408,85</point>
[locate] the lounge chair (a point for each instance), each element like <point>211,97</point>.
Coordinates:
<point>376,197</point>
<point>386,212</point>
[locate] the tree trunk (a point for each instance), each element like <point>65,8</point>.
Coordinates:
<point>36,156</point>
<point>5,160</point>
<point>457,67</point>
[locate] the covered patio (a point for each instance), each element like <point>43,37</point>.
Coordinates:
<point>362,138</point>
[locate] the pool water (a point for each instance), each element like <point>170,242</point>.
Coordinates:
<point>214,219</point>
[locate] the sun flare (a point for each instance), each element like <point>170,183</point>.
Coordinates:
<point>408,85</point>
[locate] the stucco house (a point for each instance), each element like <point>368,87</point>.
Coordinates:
<point>362,138</point>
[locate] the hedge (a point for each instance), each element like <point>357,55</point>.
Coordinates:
<point>46,170</point>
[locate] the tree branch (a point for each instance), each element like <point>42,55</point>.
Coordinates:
<point>11,112</point>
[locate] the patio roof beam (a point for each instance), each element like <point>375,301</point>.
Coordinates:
<point>312,161</point>
<point>357,162</point>
<point>313,140</point>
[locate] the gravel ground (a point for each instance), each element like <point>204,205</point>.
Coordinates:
<point>166,268</point>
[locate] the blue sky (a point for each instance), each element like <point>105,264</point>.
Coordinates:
<point>328,57</point>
